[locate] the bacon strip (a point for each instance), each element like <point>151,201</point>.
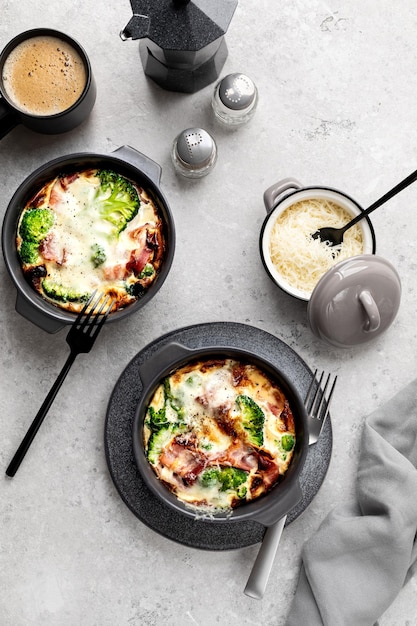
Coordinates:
<point>238,455</point>
<point>115,272</point>
<point>138,259</point>
<point>51,251</point>
<point>268,470</point>
<point>183,461</point>
<point>59,188</point>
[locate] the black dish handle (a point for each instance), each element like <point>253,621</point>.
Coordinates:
<point>8,118</point>
<point>42,320</point>
<point>150,168</point>
<point>280,506</point>
<point>161,360</point>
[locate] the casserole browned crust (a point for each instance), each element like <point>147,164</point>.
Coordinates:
<point>94,243</point>
<point>219,433</point>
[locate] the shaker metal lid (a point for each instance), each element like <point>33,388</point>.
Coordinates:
<point>194,147</point>
<point>355,301</point>
<point>237,92</point>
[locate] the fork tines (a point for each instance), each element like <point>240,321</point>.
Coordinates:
<point>84,317</point>
<point>91,318</point>
<point>318,404</point>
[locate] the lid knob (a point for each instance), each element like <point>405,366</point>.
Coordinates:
<point>355,301</point>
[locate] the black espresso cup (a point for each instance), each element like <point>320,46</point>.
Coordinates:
<point>46,83</point>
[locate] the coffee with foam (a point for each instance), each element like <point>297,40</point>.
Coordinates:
<point>44,75</point>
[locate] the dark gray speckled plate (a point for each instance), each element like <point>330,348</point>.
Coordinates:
<point>118,439</point>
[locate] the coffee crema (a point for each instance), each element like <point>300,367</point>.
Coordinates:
<point>44,75</point>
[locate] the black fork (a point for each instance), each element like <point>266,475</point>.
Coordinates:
<point>81,338</point>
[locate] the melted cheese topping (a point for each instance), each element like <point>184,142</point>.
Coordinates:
<point>203,434</point>
<point>302,260</point>
<point>132,258</point>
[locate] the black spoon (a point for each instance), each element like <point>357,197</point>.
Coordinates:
<point>334,236</point>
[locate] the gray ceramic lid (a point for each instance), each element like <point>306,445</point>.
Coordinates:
<point>355,301</point>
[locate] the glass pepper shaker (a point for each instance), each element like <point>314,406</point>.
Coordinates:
<point>194,153</point>
<point>235,99</point>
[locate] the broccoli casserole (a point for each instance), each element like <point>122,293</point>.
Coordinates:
<point>219,433</point>
<point>90,230</point>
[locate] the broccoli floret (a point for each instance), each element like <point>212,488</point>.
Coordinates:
<point>98,256</point>
<point>35,224</point>
<point>174,402</point>
<point>29,252</point>
<point>157,442</point>
<point>228,477</point>
<point>61,293</point>
<point>287,442</point>
<point>156,419</point>
<point>116,199</point>
<point>148,270</point>
<point>232,478</point>
<point>167,392</point>
<point>241,491</point>
<point>136,290</point>
<point>210,476</point>
<point>253,419</point>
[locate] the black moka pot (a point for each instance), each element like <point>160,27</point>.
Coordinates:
<point>183,46</point>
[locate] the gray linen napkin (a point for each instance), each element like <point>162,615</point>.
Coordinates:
<point>365,550</point>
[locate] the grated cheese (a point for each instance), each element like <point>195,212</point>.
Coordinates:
<point>302,260</point>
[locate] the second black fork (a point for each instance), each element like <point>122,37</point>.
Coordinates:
<point>80,338</point>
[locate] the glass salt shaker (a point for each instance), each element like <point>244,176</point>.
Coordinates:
<point>235,99</point>
<point>194,153</point>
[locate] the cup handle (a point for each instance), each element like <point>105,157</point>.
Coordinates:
<point>272,194</point>
<point>142,162</point>
<point>8,118</point>
<point>374,319</point>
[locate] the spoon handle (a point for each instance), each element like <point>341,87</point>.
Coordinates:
<point>390,194</point>
<point>258,579</point>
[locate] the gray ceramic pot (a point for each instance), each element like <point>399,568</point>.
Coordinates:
<point>130,163</point>
<point>268,508</point>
